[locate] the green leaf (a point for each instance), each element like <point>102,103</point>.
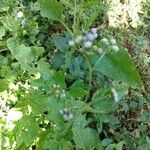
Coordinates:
<point>61,43</point>
<point>57,60</point>
<point>77,92</point>
<point>54,107</point>
<point>2,32</point>
<point>4,85</point>
<point>26,130</point>
<point>119,67</point>
<point>85,138</point>
<point>106,141</point>
<point>76,67</point>
<point>51,9</point>
<point>3,60</point>
<point>59,79</point>
<point>44,69</point>
<point>22,54</point>
<point>102,100</point>
<point>117,146</point>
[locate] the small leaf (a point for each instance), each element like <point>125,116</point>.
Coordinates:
<point>59,79</point>
<point>106,141</point>
<point>51,9</point>
<point>77,92</point>
<point>61,43</point>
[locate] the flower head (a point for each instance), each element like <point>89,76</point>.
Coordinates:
<point>115,48</point>
<point>20,14</point>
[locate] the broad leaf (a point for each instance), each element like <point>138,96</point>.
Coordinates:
<point>77,92</point>
<point>51,9</point>
<point>119,66</point>
<point>103,101</point>
<point>84,137</point>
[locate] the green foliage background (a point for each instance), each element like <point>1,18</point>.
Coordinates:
<point>57,97</point>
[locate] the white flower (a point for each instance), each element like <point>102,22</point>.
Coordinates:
<point>115,95</point>
<point>113,41</point>
<point>78,39</point>
<point>105,41</point>
<point>71,43</point>
<point>20,14</point>
<point>70,116</point>
<point>115,48</point>
<point>94,30</point>
<point>63,95</point>
<point>87,44</point>
<point>95,35</point>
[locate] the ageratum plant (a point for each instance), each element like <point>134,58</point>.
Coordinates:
<point>60,76</point>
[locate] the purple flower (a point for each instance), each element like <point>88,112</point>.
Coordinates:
<point>94,30</point>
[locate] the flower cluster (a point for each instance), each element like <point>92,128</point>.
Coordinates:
<point>59,92</point>
<point>112,42</point>
<point>86,39</point>
<point>66,114</point>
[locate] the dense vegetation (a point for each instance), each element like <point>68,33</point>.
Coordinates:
<point>74,74</point>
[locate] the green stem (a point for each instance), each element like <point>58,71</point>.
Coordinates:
<point>90,78</point>
<point>75,15</point>
<point>67,28</point>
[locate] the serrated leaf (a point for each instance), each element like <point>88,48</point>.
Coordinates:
<point>51,9</point>
<point>22,54</point>
<point>61,43</point>
<point>44,69</point>
<point>76,67</point>
<point>119,67</point>
<point>54,108</point>
<point>57,60</point>
<point>84,137</point>
<point>102,100</point>
<point>77,92</point>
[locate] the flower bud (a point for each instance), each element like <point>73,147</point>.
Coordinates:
<point>113,41</point>
<point>63,95</point>
<point>95,35</point>
<point>94,30</point>
<point>19,14</point>
<point>71,43</point>
<point>87,44</point>
<point>105,41</point>
<point>115,48</point>
<point>85,39</point>
<point>90,37</point>
<point>78,39</point>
